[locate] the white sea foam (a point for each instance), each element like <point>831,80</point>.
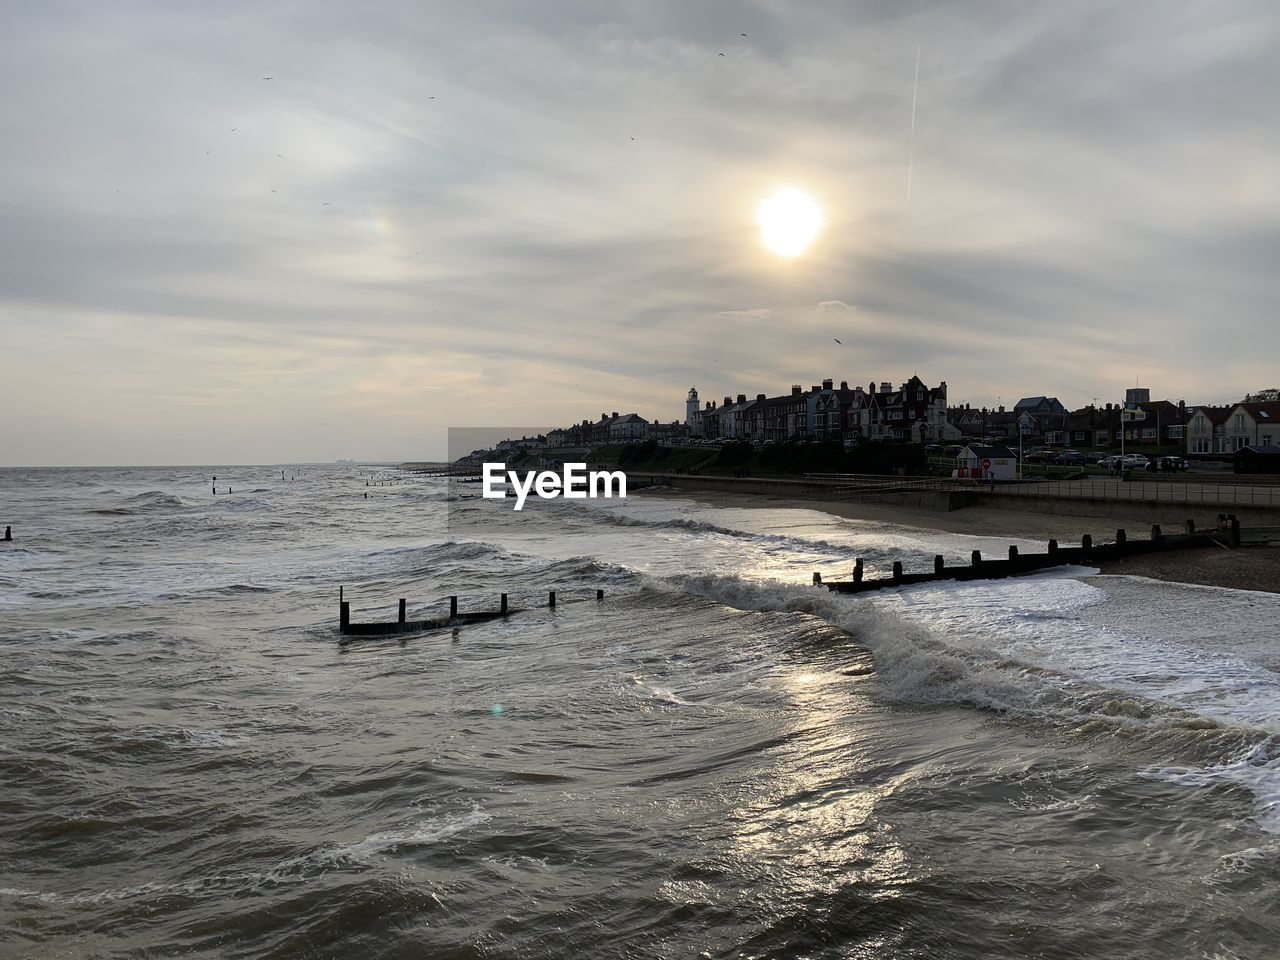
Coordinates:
<point>1258,772</point>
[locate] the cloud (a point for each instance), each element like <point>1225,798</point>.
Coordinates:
<point>436,214</point>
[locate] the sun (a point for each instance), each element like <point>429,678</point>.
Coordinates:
<point>789,220</point>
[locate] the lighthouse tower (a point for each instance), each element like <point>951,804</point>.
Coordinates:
<point>691,412</point>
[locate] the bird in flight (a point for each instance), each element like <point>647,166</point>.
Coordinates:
<point>743,34</point>
<point>325,204</point>
<point>722,54</point>
<point>837,341</point>
<point>272,78</point>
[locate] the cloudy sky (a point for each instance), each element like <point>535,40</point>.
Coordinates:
<point>453,214</point>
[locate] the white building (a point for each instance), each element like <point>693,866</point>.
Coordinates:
<point>629,426</point>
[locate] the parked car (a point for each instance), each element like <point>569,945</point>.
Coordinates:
<point>1172,464</point>
<point>1039,456</point>
<point>1110,463</point>
<point>1070,458</point>
<point>1135,461</point>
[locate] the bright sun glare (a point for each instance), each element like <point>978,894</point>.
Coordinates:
<point>789,220</point>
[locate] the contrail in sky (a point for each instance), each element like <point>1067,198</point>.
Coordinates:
<point>911,149</point>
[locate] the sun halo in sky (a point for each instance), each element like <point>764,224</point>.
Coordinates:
<point>789,221</point>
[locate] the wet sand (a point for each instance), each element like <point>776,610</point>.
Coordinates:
<point>1250,568</point>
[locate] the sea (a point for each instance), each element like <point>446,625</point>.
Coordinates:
<point>717,759</point>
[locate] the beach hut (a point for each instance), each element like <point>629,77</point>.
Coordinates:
<point>979,462</point>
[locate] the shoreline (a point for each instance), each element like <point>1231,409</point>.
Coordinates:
<point>1249,568</point>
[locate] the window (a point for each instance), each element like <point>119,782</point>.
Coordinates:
<point>919,394</point>
<point>1199,426</point>
<point>1102,436</point>
<point>1175,432</point>
<point>1266,440</point>
<point>1238,442</point>
<point>1148,433</point>
<point>913,414</point>
<point>1239,422</point>
<point>1200,445</point>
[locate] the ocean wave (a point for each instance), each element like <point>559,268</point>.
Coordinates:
<point>292,870</point>
<point>1257,771</point>
<point>703,526</point>
<point>1036,663</point>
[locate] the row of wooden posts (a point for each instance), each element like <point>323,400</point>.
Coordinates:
<point>980,568</point>
<point>403,624</point>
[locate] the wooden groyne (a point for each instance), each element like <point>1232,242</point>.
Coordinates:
<point>979,567</point>
<point>350,631</point>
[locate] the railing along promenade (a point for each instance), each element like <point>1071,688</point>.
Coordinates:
<point>1227,493</point>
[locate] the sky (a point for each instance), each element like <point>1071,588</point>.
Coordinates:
<point>307,230</point>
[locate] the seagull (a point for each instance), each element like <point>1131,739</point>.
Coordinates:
<point>233,129</point>
<point>837,341</point>
<point>272,78</point>
<point>325,204</point>
<point>273,190</point>
<point>742,34</point>
<point>722,54</point>
<point>280,155</point>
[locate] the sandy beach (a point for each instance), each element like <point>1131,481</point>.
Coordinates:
<point>1252,568</point>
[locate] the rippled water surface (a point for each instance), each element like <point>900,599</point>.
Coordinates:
<point>717,760</point>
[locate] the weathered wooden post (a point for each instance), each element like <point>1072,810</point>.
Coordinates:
<point>551,599</point>
<point>344,616</point>
<point>502,606</point>
<point>1155,532</point>
<point>8,533</point>
<point>1190,526</point>
<point>1235,531</point>
<point>975,558</point>
<point>1120,537</point>
<point>1053,547</point>
<point>599,593</point>
<point>453,608</point>
<point>1086,542</point>
<point>897,570</point>
<point>817,578</point>
<point>857,570</point>
<point>1013,551</point>
<point>402,610</point>
<point>938,565</point>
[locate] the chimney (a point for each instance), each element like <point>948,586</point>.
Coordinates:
<point>844,384</point>
<point>615,414</point>
<point>742,398</point>
<point>796,390</point>
<point>886,387</point>
<point>727,401</point>
<point>759,396</point>
<point>826,384</point>
<point>1108,408</point>
<point>1002,408</point>
<point>603,415</point>
<point>871,387</point>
